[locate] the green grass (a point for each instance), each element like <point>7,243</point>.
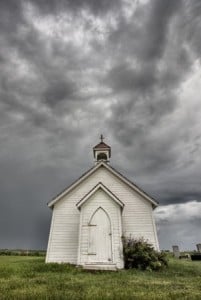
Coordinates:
<point>30,278</point>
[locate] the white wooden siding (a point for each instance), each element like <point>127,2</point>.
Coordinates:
<point>137,217</point>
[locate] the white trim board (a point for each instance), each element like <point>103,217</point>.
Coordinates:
<point>101,186</point>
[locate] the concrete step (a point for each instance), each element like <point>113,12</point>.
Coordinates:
<point>106,267</point>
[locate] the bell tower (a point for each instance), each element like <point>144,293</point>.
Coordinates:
<point>102,152</point>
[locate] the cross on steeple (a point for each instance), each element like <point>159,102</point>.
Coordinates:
<point>101,138</point>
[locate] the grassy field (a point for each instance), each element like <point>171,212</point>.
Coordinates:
<point>28,277</point>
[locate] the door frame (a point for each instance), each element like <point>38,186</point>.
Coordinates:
<point>111,237</point>
<point>113,209</point>
<point>80,237</point>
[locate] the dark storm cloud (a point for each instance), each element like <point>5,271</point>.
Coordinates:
<point>10,15</point>
<point>73,69</point>
<point>192,24</point>
<point>156,28</point>
<point>149,81</point>
<point>58,91</point>
<point>96,7</point>
<point>125,78</point>
<point>184,219</point>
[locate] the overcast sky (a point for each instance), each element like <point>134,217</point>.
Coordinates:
<point>72,69</point>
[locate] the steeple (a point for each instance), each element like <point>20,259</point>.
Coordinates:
<point>102,152</point>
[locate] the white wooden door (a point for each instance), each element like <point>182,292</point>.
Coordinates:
<point>100,238</point>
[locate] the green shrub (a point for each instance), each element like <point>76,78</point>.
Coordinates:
<point>139,254</point>
<point>5,252</point>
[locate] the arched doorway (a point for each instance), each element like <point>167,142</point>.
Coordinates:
<point>100,237</point>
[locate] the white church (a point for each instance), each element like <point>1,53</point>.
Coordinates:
<point>90,217</point>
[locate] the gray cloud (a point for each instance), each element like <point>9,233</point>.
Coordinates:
<point>73,69</point>
<point>100,7</point>
<point>58,91</point>
<point>11,15</point>
<point>180,224</point>
<point>155,32</point>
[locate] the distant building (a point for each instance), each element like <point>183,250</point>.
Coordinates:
<point>90,217</point>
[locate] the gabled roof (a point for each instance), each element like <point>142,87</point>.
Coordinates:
<point>102,145</point>
<point>101,186</point>
<point>113,171</point>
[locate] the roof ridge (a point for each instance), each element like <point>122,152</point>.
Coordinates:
<point>95,186</point>
<point>110,168</point>
<point>71,184</point>
<point>101,144</point>
<point>135,185</point>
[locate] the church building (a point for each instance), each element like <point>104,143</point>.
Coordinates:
<point>90,217</point>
